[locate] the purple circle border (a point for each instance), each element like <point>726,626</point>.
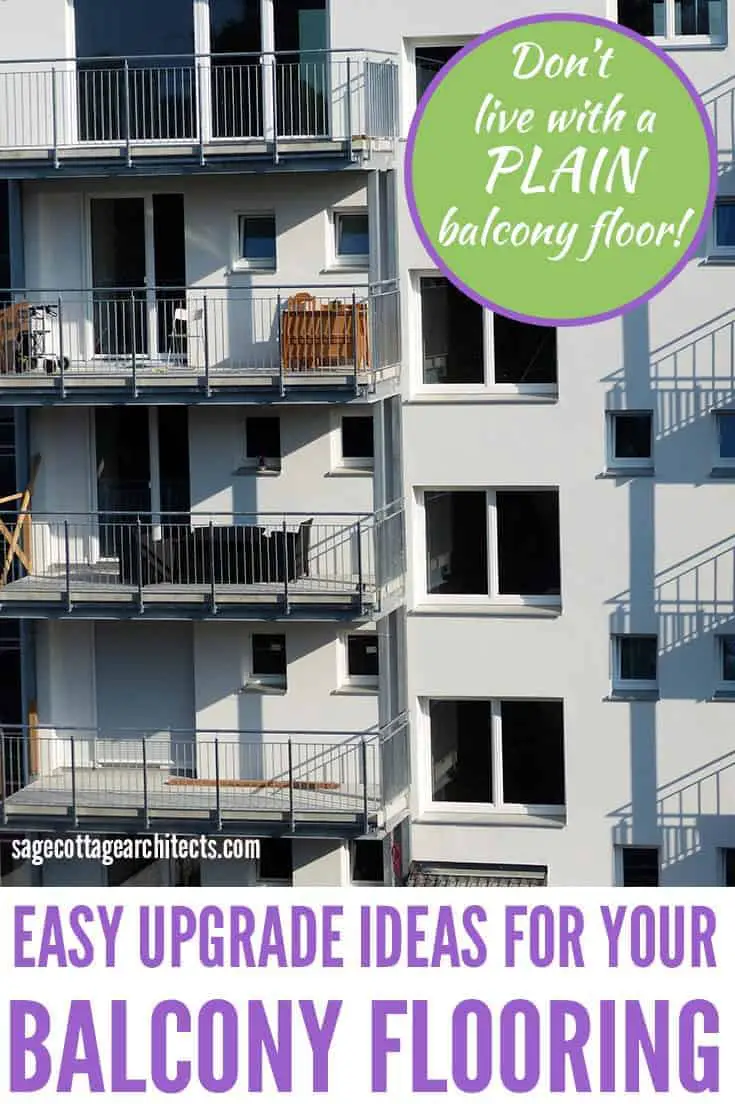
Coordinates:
<point>604,24</point>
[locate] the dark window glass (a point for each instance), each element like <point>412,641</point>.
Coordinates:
<point>429,61</point>
<point>276,860</point>
<point>529,560</point>
<point>357,438</point>
<point>729,863</point>
<point>728,658</point>
<point>725,225</point>
<point>269,654</point>
<point>452,334</point>
<point>523,353</point>
<point>638,15</point>
<point>352,239</point>
<point>461,751</point>
<point>362,655</point>
<point>263,438</point>
<point>533,752</point>
<point>367,861</point>
<point>633,436</point>
<point>456,540</point>
<point>698,17</point>
<point>638,658</point>
<point>640,867</point>
<point>726,431</point>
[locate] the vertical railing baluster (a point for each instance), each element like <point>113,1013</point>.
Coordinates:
<point>213,594</point>
<point>146,811</point>
<point>291,805</point>
<point>217,790</point>
<point>67,566</point>
<point>126,101</point>
<point>54,117</point>
<point>350,152</point>
<point>279,333</point>
<point>284,537</point>
<point>360,590</point>
<point>60,321</point>
<point>3,791</point>
<point>133,342</point>
<point>355,343</point>
<point>74,815</point>
<point>139,557</point>
<point>205,328</point>
<point>365,800</point>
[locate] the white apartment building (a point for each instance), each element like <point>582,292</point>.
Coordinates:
<point>308,547</point>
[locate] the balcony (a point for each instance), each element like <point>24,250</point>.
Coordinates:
<point>315,567</point>
<point>143,114</point>
<point>230,781</point>
<point>328,343</point>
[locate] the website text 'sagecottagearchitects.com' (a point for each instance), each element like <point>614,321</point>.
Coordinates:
<point>108,850</point>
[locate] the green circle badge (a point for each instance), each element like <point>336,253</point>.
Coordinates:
<point>561,170</point>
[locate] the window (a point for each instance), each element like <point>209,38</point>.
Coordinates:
<point>257,242</point>
<point>275,864</point>
<point>497,753</point>
<point>464,345</point>
<point>635,663</point>
<point>263,442</point>
<point>726,646</point>
<point>430,60</point>
<point>525,564</point>
<point>724,228</point>
<point>362,660</point>
<point>693,20</point>
<point>269,660</point>
<point>367,862</point>
<point>640,867</point>
<point>728,863</point>
<point>356,442</point>
<point>725,440</point>
<point>630,439</point>
<point>351,239</point>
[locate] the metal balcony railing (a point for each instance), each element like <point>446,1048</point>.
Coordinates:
<point>347,562</point>
<point>80,107</point>
<point>265,336</point>
<point>46,771</point>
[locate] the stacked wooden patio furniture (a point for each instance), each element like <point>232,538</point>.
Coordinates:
<point>317,335</point>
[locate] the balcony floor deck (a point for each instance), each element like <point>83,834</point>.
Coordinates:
<point>117,793</point>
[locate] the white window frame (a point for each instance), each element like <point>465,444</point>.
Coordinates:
<point>629,686</point>
<point>671,38</point>
<point>351,465</point>
<point>496,804</point>
<point>722,461</point>
<point>716,251</point>
<point>492,597</point>
<point>272,465</point>
<point>627,463</point>
<point>488,387</point>
<point>242,264</point>
<point>365,683</point>
<point>265,683</point>
<point>358,262</point>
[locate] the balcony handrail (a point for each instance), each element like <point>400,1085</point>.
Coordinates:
<point>200,288</point>
<point>254,55</point>
<point>371,735</point>
<point>205,515</point>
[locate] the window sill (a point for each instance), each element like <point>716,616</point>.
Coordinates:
<point>613,472</point>
<point>722,473</point>
<point>719,260</point>
<point>340,472</point>
<point>632,695</point>
<point>491,818</point>
<point>693,42</point>
<point>253,469</point>
<point>485,609</point>
<point>249,270</point>
<point>723,695</point>
<point>349,691</point>
<point>486,395</point>
<point>349,267</point>
<point>262,688</point>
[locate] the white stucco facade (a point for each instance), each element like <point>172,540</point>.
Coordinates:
<point>648,553</point>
